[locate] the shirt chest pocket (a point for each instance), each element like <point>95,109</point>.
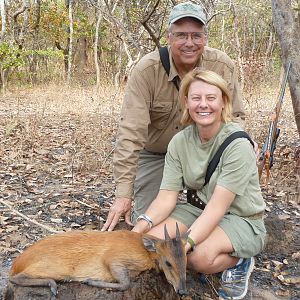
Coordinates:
<point>160,114</point>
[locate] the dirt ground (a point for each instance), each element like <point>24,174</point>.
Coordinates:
<point>56,174</point>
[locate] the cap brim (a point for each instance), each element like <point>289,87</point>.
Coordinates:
<point>188,16</point>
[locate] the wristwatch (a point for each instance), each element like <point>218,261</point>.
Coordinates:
<point>146,218</point>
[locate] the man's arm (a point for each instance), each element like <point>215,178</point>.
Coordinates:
<point>131,138</point>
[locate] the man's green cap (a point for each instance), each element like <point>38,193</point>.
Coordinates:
<point>187,9</point>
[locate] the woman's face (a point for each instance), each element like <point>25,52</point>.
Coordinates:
<point>205,103</point>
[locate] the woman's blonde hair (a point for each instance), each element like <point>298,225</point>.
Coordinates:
<point>210,78</point>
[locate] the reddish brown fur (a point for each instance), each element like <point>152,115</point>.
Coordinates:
<point>81,255</point>
<point>100,256</point>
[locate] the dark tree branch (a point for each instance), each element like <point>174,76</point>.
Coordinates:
<point>21,10</point>
<point>26,6</point>
<point>148,29</point>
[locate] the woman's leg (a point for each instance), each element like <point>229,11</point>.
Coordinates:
<point>213,255</point>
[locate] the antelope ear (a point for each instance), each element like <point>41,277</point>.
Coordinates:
<point>150,242</point>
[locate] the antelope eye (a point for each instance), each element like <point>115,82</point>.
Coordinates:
<point>168,264</point>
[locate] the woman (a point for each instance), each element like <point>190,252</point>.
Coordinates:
<point>229,231</point>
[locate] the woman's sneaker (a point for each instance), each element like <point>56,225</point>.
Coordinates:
<point>234,281</point>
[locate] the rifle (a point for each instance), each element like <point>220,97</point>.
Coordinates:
<point>266,156</point>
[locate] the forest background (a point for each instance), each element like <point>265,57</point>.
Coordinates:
<point>63,69</point>
<point>55,40</point>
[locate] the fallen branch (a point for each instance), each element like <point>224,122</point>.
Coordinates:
<point>107,157</point>
<point>29,219</point>
<point>85,204</point>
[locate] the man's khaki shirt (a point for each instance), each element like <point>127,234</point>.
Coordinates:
<point>151,111</point>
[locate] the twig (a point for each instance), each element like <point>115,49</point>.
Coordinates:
<point>83,203</point>
<point>106,157</point>
<point>147,27</point>
<point>210,282</point>
<point>29,219</point>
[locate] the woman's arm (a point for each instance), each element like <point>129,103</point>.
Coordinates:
<point>212,215</point>
<point>159,210</point>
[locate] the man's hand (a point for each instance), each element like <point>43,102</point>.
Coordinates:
<point>121,206</point>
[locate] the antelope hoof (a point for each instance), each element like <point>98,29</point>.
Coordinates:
<point>53,288</point>
<point>87,281</point>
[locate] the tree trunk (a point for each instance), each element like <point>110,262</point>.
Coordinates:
<point>35,28</point>
<point>117,78</point>
<point>3,20</point>
<point>3,79</point>
<point>71,42</point>
<point>80,60</point>
<point>238,46</point>
<point>99,19</point>
<point>288,32</point>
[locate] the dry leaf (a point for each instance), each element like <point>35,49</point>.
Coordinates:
<point>280,194</point>
<point>277,263</point>
<point>296,255</point>
<point>3,219</point>
<point>41,151</point>
<point>284,217</point>
<point>53,206</point>
<point>293,280</point>
<point>56,220</point>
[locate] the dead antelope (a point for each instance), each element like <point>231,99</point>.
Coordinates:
<point>101,259</point>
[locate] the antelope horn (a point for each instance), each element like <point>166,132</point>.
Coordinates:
<point>177,232</point>
<point>167,237</point>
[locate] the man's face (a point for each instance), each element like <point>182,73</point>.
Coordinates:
<point>187,39</point>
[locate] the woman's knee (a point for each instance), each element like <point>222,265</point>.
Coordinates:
<point>201,261</point>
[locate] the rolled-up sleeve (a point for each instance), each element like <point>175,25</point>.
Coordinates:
<point>132,134</point>
<point>173,173</point>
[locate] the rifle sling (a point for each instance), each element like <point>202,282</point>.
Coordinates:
<point>192,197</point>
<point>164,58</point>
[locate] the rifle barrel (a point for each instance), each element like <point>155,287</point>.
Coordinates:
<point>284,82</point>
<point>266,155</point>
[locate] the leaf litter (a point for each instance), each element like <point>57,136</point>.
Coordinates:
<point>56,175</point>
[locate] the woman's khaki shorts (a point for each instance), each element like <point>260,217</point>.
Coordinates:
<point>247,236</point>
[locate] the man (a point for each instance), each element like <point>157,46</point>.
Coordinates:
<point>150,115</point>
